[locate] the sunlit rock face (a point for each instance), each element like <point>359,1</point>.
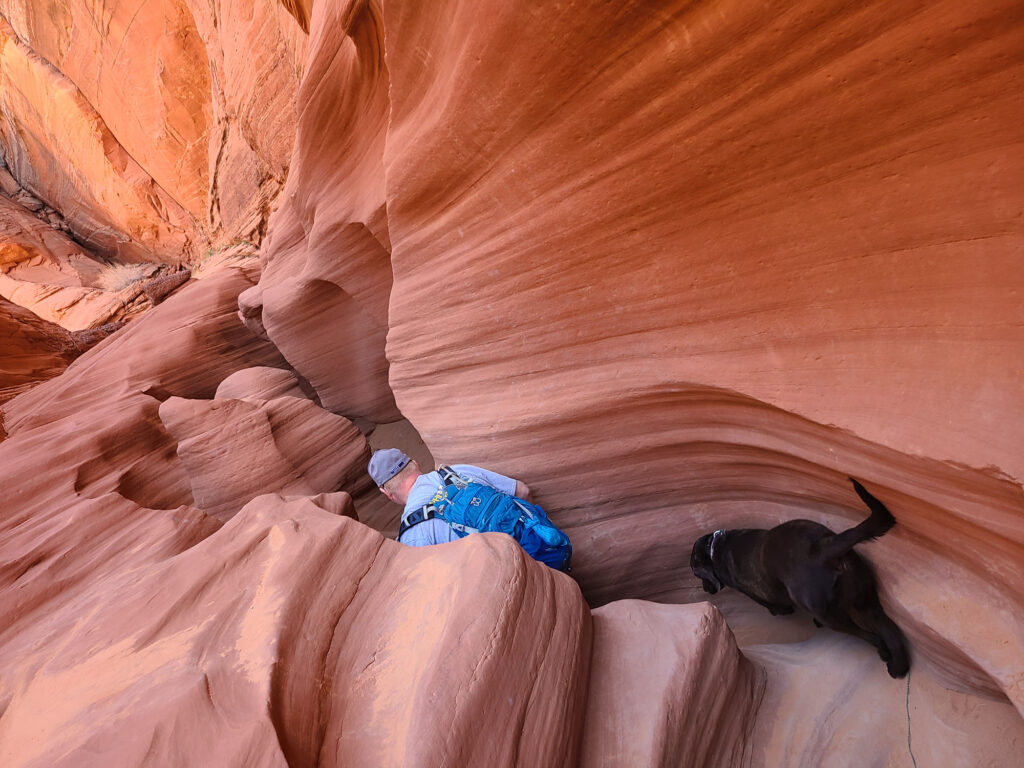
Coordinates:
<point>159,130</point>
<point>43,270</point>
<point>678,266</point>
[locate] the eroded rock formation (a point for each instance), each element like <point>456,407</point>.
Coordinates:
<point>125,117</point>
<point>32,349</point>
<point>679,266</point>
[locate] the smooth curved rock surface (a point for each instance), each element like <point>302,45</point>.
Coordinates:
<point>668,687</point>
<point>678,266</point>
<point>199,340</point>
<point>92,481</point>
<point>910,722</point>
<point>327,270</point>
<point>742,300</point>
<point>280,640</point>
<point>752,217</point>
<point>260,383</point>
<point>291,446</point>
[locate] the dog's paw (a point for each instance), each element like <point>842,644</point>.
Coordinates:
<point>897,670</point>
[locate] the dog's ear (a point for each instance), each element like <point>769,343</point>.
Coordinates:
<point>699,553</point>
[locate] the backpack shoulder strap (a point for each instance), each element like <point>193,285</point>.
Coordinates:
<point>450,477</point>
<point>421,515</point>
<point>429,511</point>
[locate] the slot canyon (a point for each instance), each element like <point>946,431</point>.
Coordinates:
<point>680,266</point>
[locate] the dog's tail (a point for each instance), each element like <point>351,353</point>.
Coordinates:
<point>880,521</point>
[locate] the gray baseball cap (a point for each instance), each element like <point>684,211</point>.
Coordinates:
<point>386,463</point>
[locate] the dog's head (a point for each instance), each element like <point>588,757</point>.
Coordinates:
<point>700,563</point>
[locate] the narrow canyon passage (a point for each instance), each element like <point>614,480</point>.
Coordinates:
<point>678,266</point>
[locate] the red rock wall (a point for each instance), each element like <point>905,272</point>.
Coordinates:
<point>691,266</point>
<point>759,214</point>
<point>328,244</point>
<point>31,349</point>
<point>151,633</point>
<point>160,130</point>
<point>678,266</point>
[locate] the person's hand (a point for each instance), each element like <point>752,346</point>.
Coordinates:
<point>523,491</point>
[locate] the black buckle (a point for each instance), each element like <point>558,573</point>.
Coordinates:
<point>416,517</point>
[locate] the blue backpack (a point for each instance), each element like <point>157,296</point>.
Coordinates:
<point>470,507</point>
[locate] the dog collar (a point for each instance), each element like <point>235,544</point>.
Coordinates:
<point>714,537</point>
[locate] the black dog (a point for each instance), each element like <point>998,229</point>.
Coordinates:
<point>803,563</point>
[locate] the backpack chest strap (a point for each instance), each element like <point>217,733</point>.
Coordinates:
<point>429,511</point>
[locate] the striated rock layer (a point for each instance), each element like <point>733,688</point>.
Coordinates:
<point>688,267</point>
<point>679,266</point>
<point>326,258</point>
<point>31,349</point>
<point>282,636</point>
<point>704,251</point>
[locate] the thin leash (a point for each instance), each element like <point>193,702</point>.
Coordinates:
<point>909,748</point>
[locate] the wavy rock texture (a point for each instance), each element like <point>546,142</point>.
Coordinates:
<point>31,350</point>
<point>328,244</point>
<point>292,447</point>
<point>310,603</point>
<point>679,266</point>
<point>260,383</point>
<point>277,638</point>
<point>691,266</point>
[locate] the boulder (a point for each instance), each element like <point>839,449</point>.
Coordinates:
<point>236,450</point>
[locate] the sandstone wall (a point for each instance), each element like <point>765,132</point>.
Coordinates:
<point>679,266</point>
<point>33,350</point>
<point>160,129</point>
<point>142,625</point>
<point>791,258</point>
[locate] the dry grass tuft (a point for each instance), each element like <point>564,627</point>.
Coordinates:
<point>117,277</point>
